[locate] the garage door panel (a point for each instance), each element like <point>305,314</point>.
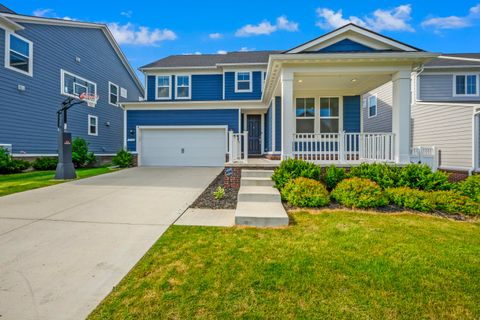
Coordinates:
<point>183,147</point>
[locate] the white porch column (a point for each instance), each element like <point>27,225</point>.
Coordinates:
<point>401,115</point>
<point>288,115</point>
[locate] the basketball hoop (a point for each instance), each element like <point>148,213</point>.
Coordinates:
<point>90,99</point>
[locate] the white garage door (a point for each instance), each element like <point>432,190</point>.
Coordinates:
<point>183,147</point>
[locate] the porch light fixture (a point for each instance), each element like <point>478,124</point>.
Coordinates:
<point>354,80</point>
<point>300,81</point>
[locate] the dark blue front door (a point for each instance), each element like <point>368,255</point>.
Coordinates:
<point>254,124</point>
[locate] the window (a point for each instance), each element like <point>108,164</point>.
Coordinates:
<point>372,106</point>
<point>92,125</point>
<point>329,115</point>
<point>466,85</point>
<point>163,87</point>
<point>112,94</point>
<point>183,87</point>
<point>305,115</point>
<point>123,93</point>
<point>74,86</point>
<point>19,54</point>
<point>243,82</point>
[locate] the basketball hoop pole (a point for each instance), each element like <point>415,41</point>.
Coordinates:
<point>65,169</point>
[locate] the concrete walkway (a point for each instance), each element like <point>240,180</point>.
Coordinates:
<point>207,218</point>
<point>63,248</point>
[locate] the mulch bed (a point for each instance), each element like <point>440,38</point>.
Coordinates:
<point>207,200</point>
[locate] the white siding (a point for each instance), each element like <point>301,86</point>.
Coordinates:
<point>383,121</point>
<point>447,127</point>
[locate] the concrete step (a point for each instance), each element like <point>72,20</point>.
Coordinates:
<point>261,214</point>
<point>256,181</point>
<point>258,194</point>
<point>248,173</point>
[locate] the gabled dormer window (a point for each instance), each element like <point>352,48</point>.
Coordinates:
<point>243,81</point>
<point>183,86</point>
<point>18,54</point>
<point>164,91</point>
<point>465,85</point>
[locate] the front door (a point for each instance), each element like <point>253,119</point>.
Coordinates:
<point>254,124</point>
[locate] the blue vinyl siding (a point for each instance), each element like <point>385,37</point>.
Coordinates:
<point>28,118</point>
<point>256,93</point>
<point>351,113</point>
<point>136,118</point>
<point>268,129</point>
<point>278,124</point>
<point>346,45</point>
<point>151,83</point>
<point>204,87</point>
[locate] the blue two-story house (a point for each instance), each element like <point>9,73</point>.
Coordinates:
<point>304,102</point>
<point>42,62</point>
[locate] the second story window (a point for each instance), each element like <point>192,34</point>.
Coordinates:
<point>164,87</point>
<point>74,86</point>
<point>243,82</point>
<point>113,94</point>
<point>466,85</point>
<point>19,54</point>
<point>183,87</point>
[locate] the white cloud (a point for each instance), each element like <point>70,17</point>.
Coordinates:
<point>395,19</point>
<point>197,53</point>
<point>43,12</point>
<point>127,13</point>
<point>221,52</point>
<point>246,49</point>
<point>215,35</point>
<point>453,22</point>
<point>266,27</point>
<point>130,34</point>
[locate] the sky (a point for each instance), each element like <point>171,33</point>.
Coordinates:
<point>148,30</point>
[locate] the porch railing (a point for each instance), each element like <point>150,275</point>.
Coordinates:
<point>344,147</point>
<point>238,147</point>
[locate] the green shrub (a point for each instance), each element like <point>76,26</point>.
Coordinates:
<point>45,163</point>
<point>359,193</point>
<point>304,192</point>
<point>10,165</point>
<point>123,159</point>
<point>333,176</point>
<point>386,176</point>
<point>420,176</point>
<point>294,168</point>
<point>470,187</point>
<point>219,193</point>
<point>447,201</point>
<point>81,157</point>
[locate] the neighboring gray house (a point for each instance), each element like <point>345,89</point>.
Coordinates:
<point>44,61</point>
<point>445,110</point>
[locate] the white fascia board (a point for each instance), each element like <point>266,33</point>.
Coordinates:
<point>458,58</point>
<point>161,69</point>
<point>193,105</point>
<point>329,57</point>
<point>9,24</point>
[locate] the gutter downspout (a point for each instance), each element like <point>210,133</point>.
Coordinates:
<point>476,142</point>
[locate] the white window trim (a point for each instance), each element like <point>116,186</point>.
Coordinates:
<point>110,84</point>
<point>89,125</point>
<point>169,85</point>
<point>339,117</point>
<point>454,85</point>
<point>250,82</point>
<point>376,106</point>
<point>264,78</point>
<point>7,54</point>
<point>314,117</point>
<point>189,87</point>
<point>62,83</point>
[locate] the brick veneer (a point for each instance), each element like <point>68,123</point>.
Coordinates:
<point>232,180</point>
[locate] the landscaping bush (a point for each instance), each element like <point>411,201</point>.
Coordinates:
<point>219,193</point>
<point>454,202</point>
<point>411,199</point>
<point>45,163</point>
<point>359,193</point>
<point>81,157</point>
<point>386,176</point>
<point>304,192</point>
<point>420,176</point>
<point>10,165</point>
<point>333,176</point>
<point>294,168</point>
<point>470,187</point>
<point>123,159</point>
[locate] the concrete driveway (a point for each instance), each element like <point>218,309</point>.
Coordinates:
<point>63,248</point>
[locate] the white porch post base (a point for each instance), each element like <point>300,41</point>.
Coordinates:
<point>401,115</point>
<point>288,117</point>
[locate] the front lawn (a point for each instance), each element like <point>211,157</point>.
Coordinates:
<point>335,264</point>
<point>12,183</point>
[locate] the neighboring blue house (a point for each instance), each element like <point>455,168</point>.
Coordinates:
<point>44,61</point>
<point>304,103</point>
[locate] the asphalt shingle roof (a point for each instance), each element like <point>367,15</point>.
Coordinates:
<point>5,9</point>
<point>210,60</point>
<point>441,62</point>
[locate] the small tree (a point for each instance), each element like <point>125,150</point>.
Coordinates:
<point>81,157</point>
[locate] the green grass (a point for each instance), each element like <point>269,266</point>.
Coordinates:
<point>12,183</point>
<point>337,264</point>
